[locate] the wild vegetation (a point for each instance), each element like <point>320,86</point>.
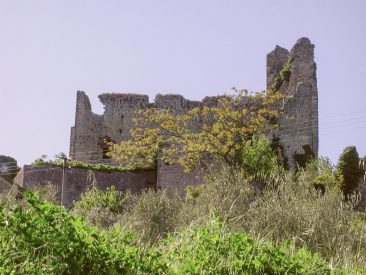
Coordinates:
<point>251,215</point>
<point>223,226</point>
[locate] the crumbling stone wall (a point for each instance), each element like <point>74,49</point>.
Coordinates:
<point>5,185</point>
<point>298,133</point>
<point>77,181</point>
<point>297,137</point>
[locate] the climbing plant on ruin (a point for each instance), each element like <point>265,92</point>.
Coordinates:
<point>202,135</point>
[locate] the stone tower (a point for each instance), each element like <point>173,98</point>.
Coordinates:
<point>298,135</point>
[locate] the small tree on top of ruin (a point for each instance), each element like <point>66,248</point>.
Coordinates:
<point>203,135</point>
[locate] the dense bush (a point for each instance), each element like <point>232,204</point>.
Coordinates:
<point>45,239</point>
<point>257,157</point>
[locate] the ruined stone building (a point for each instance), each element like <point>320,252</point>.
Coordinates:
<point>298,137</point>
<point>292,72</point>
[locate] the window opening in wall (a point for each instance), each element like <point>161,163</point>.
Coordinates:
<point>104,143</point>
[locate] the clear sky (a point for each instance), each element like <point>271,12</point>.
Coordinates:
<point>51,49</point>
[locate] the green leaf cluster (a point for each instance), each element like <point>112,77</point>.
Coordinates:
<point>46,239</point>
<point>257,157</point>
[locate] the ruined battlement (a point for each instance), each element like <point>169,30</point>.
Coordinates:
<point>119,100</point>
<point>292,72</point>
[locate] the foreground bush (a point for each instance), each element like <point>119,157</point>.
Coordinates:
<point>213,249</point>
<point>45,239</point>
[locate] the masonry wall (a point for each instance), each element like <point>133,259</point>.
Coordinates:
<point>297,137</point>
<point>299,125</point>
<point>79,180</point>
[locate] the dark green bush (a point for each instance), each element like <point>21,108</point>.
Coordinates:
<point>348,169</point>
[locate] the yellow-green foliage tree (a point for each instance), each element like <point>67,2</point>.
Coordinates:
<point>203,135</point>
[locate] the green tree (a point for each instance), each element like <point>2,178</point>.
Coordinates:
<point>258,157</point>
<point>203,135</point>
<point>348,170</point>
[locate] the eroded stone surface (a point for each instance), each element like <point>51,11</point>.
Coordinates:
<point>78,181</point>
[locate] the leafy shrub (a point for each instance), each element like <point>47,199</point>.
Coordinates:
<point>45,239</point>
<point>101,208</point>
<point>111,199</point>
<point>257,157</point>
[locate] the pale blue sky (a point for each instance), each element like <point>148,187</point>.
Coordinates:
<point>51,49</point>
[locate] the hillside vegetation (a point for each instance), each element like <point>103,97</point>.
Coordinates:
<point>223,226</point>
<point>250,216</point>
